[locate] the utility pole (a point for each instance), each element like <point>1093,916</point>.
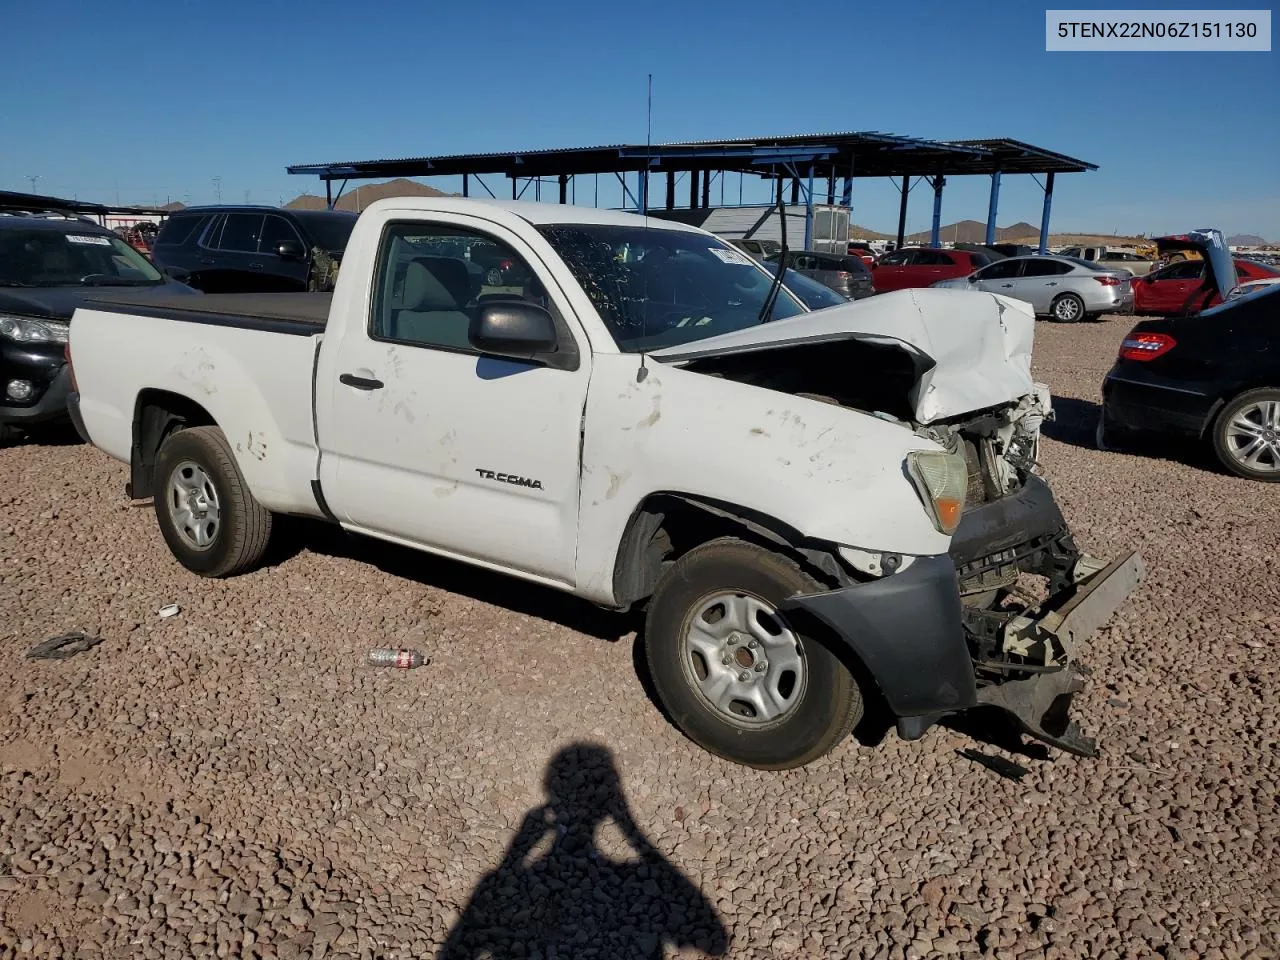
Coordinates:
<point>33,182</point>
<point>217,188</point>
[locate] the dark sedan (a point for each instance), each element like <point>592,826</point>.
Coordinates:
<point>48,267</point>
<point>1211,376</point>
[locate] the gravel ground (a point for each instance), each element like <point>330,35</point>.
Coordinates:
<point>234,782</point>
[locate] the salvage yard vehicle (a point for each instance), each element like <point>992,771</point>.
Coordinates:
<point>48,267</point>
<point>1180,287</point>
<point>923,267</point>
<point>248,249</point>
<point>1212,376</point>
<point>815,509</point>
<point>1063,288</point>
<point>1110,258</point>
<point>846,275</point>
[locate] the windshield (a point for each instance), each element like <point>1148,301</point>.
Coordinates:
<point>328,231</point>
<point>52,258</point>
<point>815,295</point>
<point>658,288</point>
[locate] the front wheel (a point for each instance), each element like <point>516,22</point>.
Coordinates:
<point>207,515</point>
<point>733,673</point>
<point>1068,308</point>
<point>1246,435</point>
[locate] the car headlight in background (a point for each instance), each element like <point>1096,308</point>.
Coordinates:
<point>942,480</point>
<point>30,330</point>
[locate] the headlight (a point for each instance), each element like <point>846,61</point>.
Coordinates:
<point>941,479</point>
<point>27,330</point>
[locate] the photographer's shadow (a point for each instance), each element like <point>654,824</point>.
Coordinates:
<point>556,895</point>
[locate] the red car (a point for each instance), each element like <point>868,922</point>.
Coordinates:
<point>1170,290</point>
<point>923,266</point>
<point>863,252</point>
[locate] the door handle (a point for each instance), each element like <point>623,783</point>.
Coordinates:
<point>1052,283</point>
<point>1007,286</point>
<point>255,266</point>
<point>360,383</point>
<point>207,260</point>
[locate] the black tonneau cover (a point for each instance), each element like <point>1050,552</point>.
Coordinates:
<point>300,314</point>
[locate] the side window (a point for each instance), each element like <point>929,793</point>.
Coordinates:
<point>214,231</point>
<point>177,230</point>
<point>275,231</point>
<point>241,232</point>
<point>1000,270</point>
<point>1043,268</point>
<point>898,259</point>
<point>432,277</point>
<point>1185,270</point>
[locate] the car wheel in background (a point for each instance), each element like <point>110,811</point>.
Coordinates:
<point>1246,435</point>
<point>207,515</point>
<point>732,672</point>
<point>493,277</point>
<point>1067,308</point>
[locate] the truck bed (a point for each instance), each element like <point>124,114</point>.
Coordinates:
<point>299,314</point>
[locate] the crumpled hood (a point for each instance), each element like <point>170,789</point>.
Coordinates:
<point>970,350</point>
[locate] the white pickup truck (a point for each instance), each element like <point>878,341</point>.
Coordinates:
<point>819,511</point>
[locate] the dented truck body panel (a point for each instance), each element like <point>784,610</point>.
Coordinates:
<point>801,428</point>
<point>254,383</point>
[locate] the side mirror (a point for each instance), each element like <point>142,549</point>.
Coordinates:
<point>514,330</point>
<point>289,250</point>
<point>973,278</point>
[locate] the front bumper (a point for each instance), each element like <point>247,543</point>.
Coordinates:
<point>43,366</point>
<point>932,656</point>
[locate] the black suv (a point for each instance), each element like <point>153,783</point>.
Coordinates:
<point>48,267</point>
<point>254,249</point>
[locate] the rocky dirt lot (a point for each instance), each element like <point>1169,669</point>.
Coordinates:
<point>235,782</point>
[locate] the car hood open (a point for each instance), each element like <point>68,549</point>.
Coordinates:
<point>1210,245</point>
<point>957,351</point>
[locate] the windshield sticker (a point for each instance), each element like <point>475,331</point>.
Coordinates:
<point>88,239</point>
<point>729,255</point>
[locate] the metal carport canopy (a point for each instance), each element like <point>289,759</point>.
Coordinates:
<point>863,154</point>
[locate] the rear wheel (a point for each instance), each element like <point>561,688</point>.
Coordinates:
<point>207,515</point>
<point>1246,435</point>
<point>733,673</point>
<point>1067,308</point>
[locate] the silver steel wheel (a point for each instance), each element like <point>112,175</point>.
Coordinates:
<point>493,277</point>
<point>193,505</point>
<point>741,656</point>
<point>1068,309</point>
<point>1253,436</point>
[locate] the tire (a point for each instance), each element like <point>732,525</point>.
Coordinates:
<point>9,433</point>
<point>1249,427</point>
<point>1067,308</point>
<point>822,700</point>
<point>217,506</point>
<point>493,277</point>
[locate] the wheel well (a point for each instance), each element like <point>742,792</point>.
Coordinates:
<point>157,414</point>
<point>666,526</point>
<point>1227,397</point>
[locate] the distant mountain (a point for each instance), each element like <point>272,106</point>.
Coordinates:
<point>1245,240</point>
<point>975,231</point>
<point>359,196</point>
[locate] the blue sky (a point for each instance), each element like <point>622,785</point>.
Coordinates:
<point>151,100</point>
